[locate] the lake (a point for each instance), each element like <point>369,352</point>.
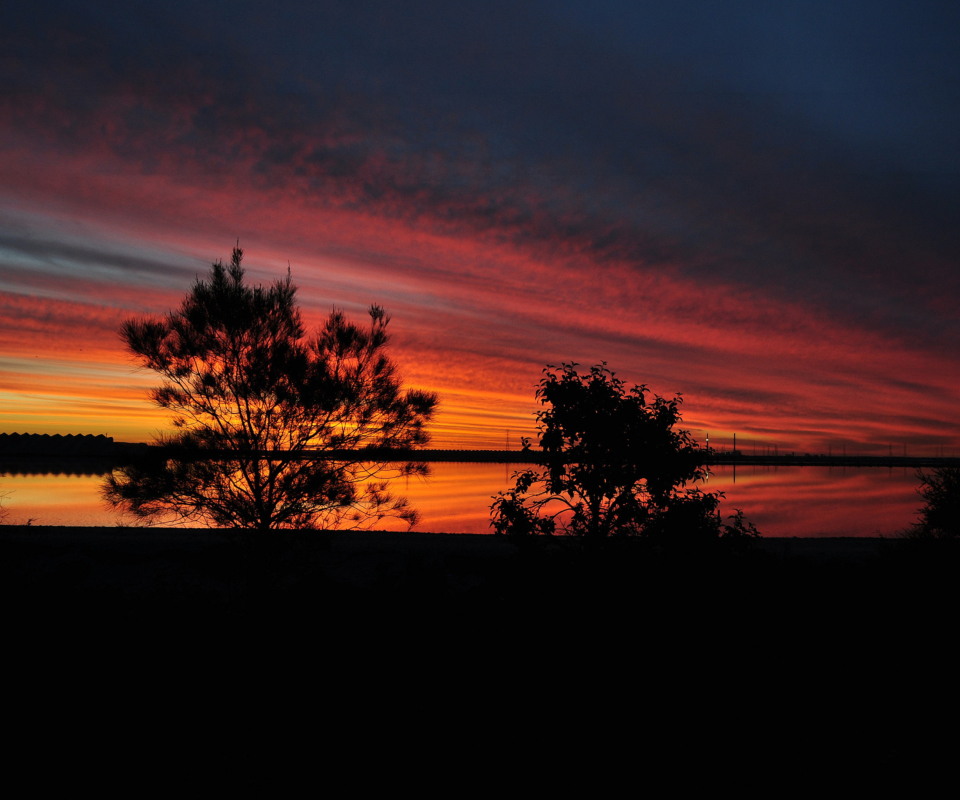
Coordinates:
<point>780,501</point>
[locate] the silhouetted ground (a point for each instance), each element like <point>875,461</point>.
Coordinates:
<point>126,571</point>
<point>790,650</point>
<point>838,584</point>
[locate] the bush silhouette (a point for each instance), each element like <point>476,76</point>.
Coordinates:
<point>613,463</point>
<point>940,515</point>
<point>253,396</point>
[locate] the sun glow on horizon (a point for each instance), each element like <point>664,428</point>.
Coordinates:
<point>517,191</point>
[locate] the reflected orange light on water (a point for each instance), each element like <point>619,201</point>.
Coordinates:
<point>55,500</point>
<point>455,498</point>
<point>820,501</point>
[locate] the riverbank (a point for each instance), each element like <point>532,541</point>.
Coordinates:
<point>355,554</point>
<point>219,569</point>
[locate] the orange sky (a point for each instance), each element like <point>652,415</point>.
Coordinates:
<point>473,320</point>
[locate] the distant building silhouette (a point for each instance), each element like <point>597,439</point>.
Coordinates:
<point>36,444</point>
<point>73,454</point>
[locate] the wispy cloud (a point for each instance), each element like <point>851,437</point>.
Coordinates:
<point>517,189</point>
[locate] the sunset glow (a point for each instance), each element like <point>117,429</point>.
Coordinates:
<point>518,187</point>
<point>455,498</point>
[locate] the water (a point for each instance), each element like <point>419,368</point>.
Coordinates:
<point>820,501</point>
<point>782,501</point>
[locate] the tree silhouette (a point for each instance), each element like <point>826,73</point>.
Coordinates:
<point>940,516</point>
<point>252,396</point>
<point>613,463</point>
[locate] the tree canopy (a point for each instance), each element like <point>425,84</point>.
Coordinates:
<point>613,463</point>
<point>253,396</point>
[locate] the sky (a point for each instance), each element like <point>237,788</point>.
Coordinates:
<point>753,204</point>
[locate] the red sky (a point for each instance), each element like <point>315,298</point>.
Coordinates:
<point>530,193</point>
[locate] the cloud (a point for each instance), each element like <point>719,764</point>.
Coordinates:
<point>517,190</point>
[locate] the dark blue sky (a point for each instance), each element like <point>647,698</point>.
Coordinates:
<point>881,77</point>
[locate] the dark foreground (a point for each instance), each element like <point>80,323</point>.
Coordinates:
<point>833,649</point>
<point>844,587</point>
<point>119,573</point>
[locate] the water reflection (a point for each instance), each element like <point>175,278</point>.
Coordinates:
<point>820,501</point>
<point>55,500</point>
<point>786,501</point>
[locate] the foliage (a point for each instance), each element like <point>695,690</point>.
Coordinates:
<point>940,516</point>
<point>613,464</point>
<point>253,396</point>
<point>740,528</point>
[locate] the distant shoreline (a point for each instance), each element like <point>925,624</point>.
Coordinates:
<point>30,451</point>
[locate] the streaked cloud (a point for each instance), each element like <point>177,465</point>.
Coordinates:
<point>515,183</point>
